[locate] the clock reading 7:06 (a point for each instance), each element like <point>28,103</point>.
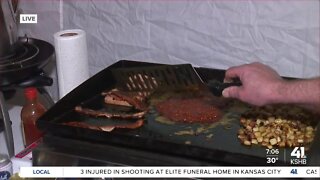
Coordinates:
<point>272,151</point>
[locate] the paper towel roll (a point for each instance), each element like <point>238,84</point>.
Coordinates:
<point>72,59</point>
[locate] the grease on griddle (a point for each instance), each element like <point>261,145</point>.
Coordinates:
<point>164,120</point>
<point>209,136</point>
<point>185,132</point>
<point>208,129</point>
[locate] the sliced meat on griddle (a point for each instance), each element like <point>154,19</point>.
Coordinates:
<point>97,113</point>
<point>122,98</point>
<point>108,128</point>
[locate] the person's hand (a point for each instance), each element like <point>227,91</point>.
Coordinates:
<point>259,87</point>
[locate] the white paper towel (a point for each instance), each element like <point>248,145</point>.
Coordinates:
<point>72,59</point>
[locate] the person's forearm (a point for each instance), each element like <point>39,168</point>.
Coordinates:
<point>303,92</point>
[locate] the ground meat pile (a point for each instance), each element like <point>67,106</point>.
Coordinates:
<point>191,110</point>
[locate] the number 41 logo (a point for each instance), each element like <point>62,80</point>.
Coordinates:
<point>298,152</point>
<point>294,171</point>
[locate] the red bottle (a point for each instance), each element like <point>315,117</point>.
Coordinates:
<point>30,113</point>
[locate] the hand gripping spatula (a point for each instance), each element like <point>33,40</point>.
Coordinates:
<point>166,77</point>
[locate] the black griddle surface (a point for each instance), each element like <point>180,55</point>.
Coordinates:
<point>217,144</point>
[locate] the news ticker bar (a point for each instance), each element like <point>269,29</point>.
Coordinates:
<point>170,172</point>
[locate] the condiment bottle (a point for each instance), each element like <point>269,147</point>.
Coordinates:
<point>30,113</point>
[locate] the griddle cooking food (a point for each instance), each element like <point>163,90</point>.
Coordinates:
<point>189,110</point>
<point>116,97</point>
<point>280,126</point>
<point>120,98</point>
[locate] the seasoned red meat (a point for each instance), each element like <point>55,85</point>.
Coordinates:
<point>192,110</point>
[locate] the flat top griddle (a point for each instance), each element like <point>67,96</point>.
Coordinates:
<point>218,143</point>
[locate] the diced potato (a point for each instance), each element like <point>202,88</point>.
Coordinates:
<point>260,139</point>
<point>248,143</point>
<point>255,129</point>
<point>254,141</point>
<point>276,130</point>
<point>309,128</point>
<point>273,141</point>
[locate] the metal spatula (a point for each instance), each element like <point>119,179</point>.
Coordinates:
<point>148,79</point>
<point>216,87</point>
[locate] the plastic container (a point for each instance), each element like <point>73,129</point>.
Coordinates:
<point>30,113</point>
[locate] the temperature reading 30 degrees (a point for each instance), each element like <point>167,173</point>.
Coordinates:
<point>272,155</point>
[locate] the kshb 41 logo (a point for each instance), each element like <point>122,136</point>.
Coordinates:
<point>298,156</point>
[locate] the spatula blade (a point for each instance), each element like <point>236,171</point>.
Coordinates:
<point>153,77</point>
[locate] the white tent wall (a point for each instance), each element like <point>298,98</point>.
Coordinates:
<point>211,33</point>
<point>217,34</point>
